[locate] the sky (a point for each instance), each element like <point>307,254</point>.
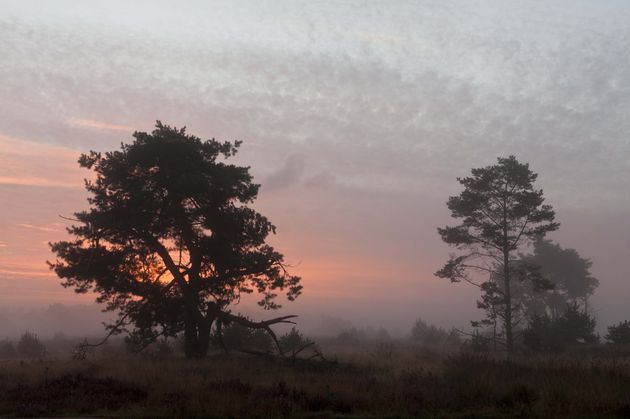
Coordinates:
<point>356,117</point>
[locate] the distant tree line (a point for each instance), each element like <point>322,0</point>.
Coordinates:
<point>28,346</point>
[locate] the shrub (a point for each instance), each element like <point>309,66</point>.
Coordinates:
<point>7,350</point>
<point>236,336</point>
<point>480,342</point>
<point>30,346</point>
<point>542,335</point>
<point>619,333</point>
<point>546,334</point>
<point>579,326</point>
<point>427,334</point>
<point>293,342</point>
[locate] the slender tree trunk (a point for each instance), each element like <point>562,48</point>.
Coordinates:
<point>586,304</point>
<point>203,343</point>
<point>508,303</point>
<point>506,277</point>
<point>191,337</point>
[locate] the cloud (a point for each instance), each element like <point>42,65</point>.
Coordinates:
<point>25,273</point>
<point>90,123</point>
<point>29,163</point>
<point>35,181</point>
<point>320,179</point>
<point>40,228</point>
<point>11,146</point>
<point>289,174</point>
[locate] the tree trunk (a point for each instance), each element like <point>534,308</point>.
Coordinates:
<point>197,338</point>
<point>196,330</point>
<point>191,337</point>
<point>203,337</point>
<point>506,277</point>
<point>586,304</point>
<point>509,343</point>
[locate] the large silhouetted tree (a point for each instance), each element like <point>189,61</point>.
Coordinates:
<point>169,241</point>
<point>500,211</point>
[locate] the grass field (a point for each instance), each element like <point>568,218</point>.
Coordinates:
<point>379,382</point>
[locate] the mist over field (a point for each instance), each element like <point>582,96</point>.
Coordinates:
<point>356,119</point>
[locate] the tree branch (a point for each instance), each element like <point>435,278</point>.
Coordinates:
<point>166,258</point>
<point>265,325</point>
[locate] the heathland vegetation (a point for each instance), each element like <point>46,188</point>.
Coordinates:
<point>432,373</point>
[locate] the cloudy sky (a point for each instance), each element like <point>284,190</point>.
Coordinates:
<point>356,118</point>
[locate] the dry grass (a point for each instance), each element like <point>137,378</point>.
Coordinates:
<point>373,382</point>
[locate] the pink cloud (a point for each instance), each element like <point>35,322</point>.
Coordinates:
<point>26,273</point>
<point>29,163</point>
<point>37,181</point>
<point>41,228</point>
<point>91,123</point>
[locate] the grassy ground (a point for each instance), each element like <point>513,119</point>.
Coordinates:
<point>382,382</point>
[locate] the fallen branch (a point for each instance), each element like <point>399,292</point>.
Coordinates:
<point>265,324</point>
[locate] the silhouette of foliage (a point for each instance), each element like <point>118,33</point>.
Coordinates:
<point>565,270</point>
<point>500,212</point>
<point>294,342</point>
<point>169,241</point>
<point>7,350</point>
<point>619,333</point>
<point>238,337</point>
<point>30,346</point>
<point>427,334</point>
<point>547,334</point>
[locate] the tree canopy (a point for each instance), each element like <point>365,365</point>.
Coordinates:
<point>169,241</point>
<point>500,211</point>
<point>566,270</point>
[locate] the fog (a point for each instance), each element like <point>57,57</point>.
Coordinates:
<point>356,118</point>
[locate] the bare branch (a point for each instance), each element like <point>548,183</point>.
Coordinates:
<point>68,218</point>
<point>115,329</point>
<point>265,325</point>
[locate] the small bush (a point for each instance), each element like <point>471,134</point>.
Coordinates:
<point>236,336</point>
<point>7,350</point>
<point>546,334</point>
<point>426,334</point>
<point>480,342</point>
<point>30,346</point>
<point>542,335</point>
<point>293,342</point>
<point>619,333</point>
